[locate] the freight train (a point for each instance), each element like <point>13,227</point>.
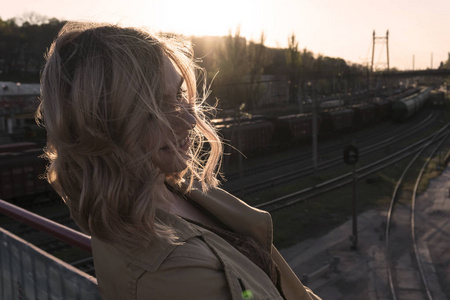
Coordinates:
<point>333,117</point>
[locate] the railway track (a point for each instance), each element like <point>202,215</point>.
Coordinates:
<point>344,179</point>
<point>406,275</point>
<point>327,150</point>
<point>408,269</point>
<point>303,167</point>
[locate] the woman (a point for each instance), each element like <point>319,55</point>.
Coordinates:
<point>126,136</point>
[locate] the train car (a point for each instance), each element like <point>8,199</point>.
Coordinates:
<point>249,136</point>
<point>364,115</point>
<point>17,147</point>
<point>336,121</point>
<point>20,174</point>
<point>382,109</point>
<point>403,94</point>
<point>294,128</point>
<point>406,107</point>
<point>331,104</point>
<point>221,122</point>
<point>437,99</point>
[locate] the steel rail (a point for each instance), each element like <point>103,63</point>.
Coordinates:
<point>337,182</point>
<point>391,210</point>
<point>323,151</point>
<point>290,176</point>
<point>413,209</point>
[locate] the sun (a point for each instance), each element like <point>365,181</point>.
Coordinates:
<point>201,17</point>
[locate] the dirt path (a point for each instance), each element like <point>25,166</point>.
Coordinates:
<point>361,273</point>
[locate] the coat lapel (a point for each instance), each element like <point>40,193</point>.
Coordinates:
<point>235,214</point>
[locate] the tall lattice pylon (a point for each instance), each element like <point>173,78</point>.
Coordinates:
<point>382,39</point>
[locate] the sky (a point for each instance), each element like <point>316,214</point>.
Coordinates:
<point>419,31</point>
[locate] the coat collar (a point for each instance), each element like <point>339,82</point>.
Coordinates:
<point>235,213</point>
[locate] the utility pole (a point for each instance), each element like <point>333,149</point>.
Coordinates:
<point>351,156</point>
<point>382,39</point>
<point>373,51</point>
<point>240,161</point>
<point>315,133</point>
<point>387,48</point>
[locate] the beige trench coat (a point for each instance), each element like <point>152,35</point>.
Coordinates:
<point>202,265</point>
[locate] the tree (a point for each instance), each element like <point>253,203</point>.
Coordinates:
<point>445,65</point>
<point>206,51</point>
<point>9,46</point>
<point>22,47</point>
<point>232,62</point>
<point>31,18</point>
<point>256,59</point>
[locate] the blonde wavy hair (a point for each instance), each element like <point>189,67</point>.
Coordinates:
<point>101,102</point>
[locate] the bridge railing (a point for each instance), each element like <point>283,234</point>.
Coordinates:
<point>61,232</point>
<point>27,272</point>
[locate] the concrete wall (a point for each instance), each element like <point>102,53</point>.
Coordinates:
<point>26,272</point>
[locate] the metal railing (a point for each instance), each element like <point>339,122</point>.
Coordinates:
<point>61,232</point>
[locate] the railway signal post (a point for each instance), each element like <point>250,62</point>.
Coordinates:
<point>351,156</point>
<point>314,127</point>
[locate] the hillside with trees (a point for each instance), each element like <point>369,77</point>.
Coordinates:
<point>241,73</point>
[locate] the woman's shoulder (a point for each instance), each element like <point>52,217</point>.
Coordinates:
<point>161,269</point>
<point>151,256</point>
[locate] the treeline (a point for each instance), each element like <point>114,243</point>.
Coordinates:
<point>23,42</point>
<point>244,71</point>
<point>445,65</point>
